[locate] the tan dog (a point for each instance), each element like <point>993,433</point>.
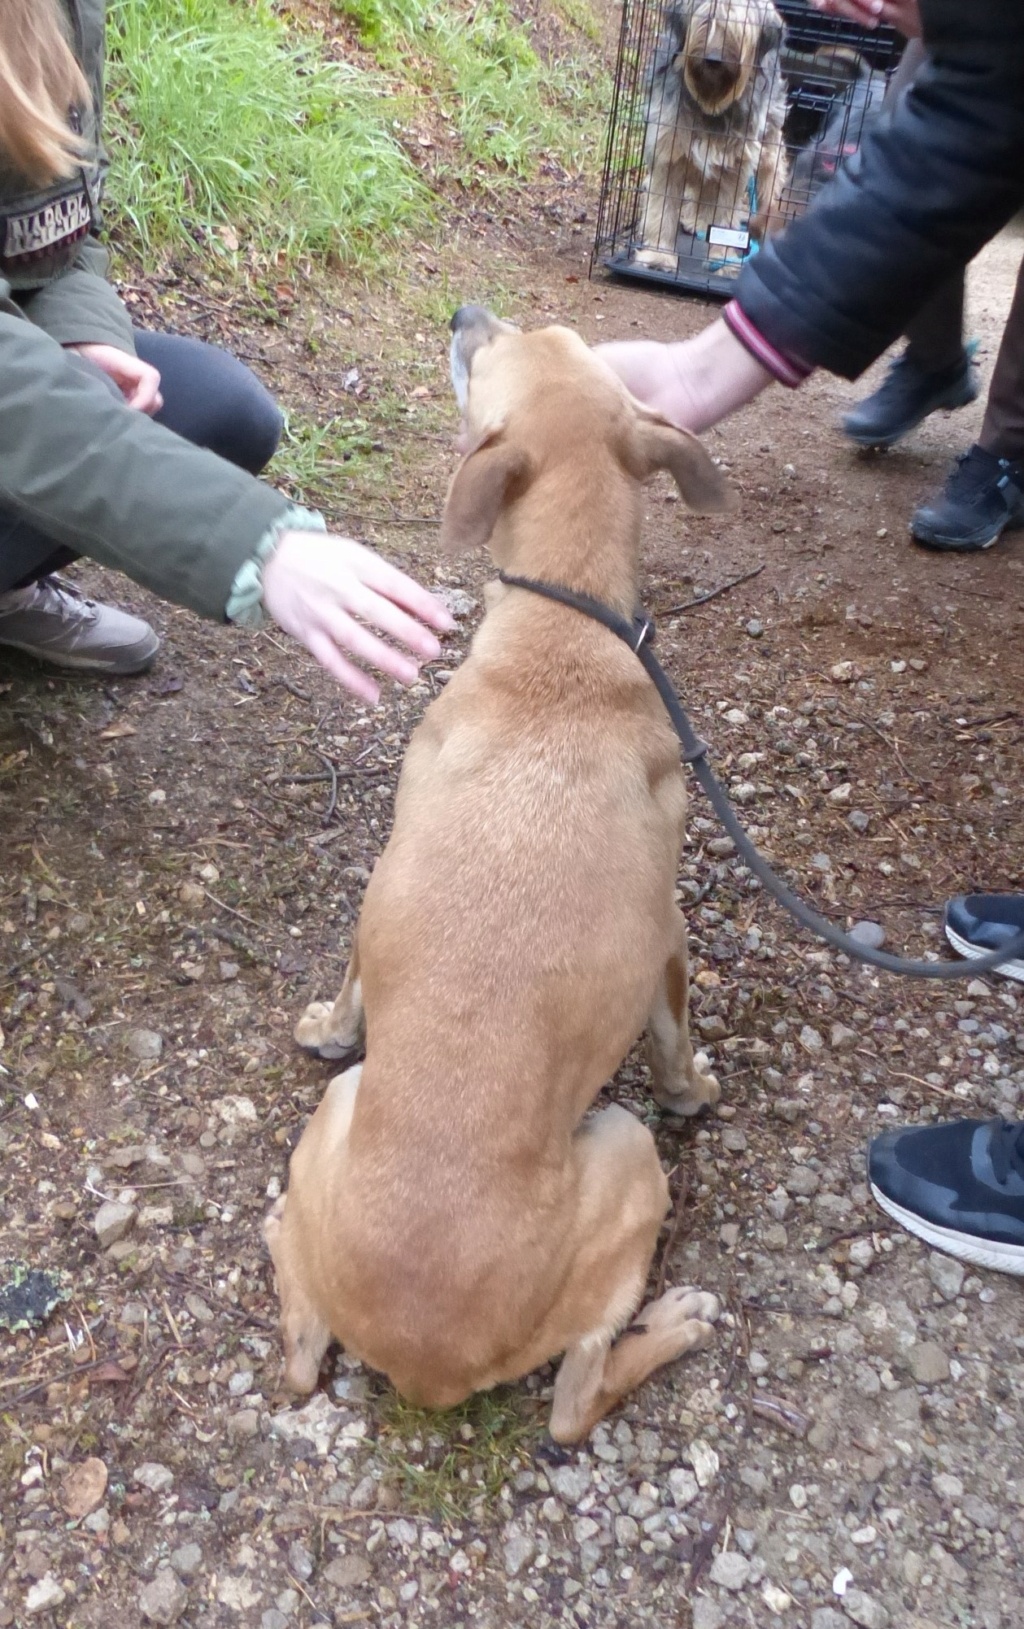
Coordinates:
<point>713,149</point>
<point>452,1216</point>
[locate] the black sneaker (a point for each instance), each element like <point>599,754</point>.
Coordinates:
<point>958,1186</point>
<point>978,923</point>
<point>983,497</point>
<point>905,397</point>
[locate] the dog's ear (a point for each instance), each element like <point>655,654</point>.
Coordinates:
<point>478,492</point>
<point>657,444</point>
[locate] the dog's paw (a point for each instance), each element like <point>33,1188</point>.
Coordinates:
<point>701,1091</point>
<point>656,259</point>
<point>680,1321</point>
<point>313,1033</point>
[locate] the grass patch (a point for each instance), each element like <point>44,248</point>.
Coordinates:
<point>510,107</point>
<point>444,1463</point>
<point>221,117</point>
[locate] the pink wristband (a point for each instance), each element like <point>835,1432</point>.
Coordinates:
<point>782,368</point>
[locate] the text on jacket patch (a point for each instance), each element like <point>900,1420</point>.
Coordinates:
<point>40,229</point>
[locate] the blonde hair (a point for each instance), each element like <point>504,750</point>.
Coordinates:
<point>39,82</point>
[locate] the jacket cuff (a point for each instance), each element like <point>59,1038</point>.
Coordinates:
<point>783,368</point>
<point>245,602</point>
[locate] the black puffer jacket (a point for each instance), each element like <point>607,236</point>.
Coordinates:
<point>934,180</point>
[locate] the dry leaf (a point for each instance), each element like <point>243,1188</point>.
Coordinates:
<point>116,731</point>
<point>109,1371</point>
<point>82,1490</point>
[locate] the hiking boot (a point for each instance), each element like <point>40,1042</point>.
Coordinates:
<point>982,498</point>
<point>53,621</point>
<point>976,924</point>
<point>958,1186</point>
<point>906,396</point>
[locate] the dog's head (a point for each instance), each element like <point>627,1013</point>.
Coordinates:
<point>534,402</point>
<point>721,44</point>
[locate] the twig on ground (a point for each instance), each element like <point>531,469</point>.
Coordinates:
<point>712,594</point>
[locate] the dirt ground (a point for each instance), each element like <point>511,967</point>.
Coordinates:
<point>183,858</point>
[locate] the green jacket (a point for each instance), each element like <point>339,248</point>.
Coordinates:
<point>85,469</point>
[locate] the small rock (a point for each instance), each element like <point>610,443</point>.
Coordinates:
<point>518,1550</point>
<point>317,1423</point>
<point>730,1569</point>
<point>947,1486</point>
<point>803,1181</point>
<point>236,1111</point>
<point>348,1571</point>
<point>705,1462</point>
<point>827,1617</point>
<point>570,1482</point>
<point>734,1139</point>
<point>862,1253</point>
<point>865,1610</point>
<point>798,1496</point>
<point>729,1234</point>
<point>112,1221</point>
<point>928,1363</point>
<point>842,672</point>
<point>83,1488</point>
<point>244,1425</point>
<point>775,1599</point>
<point>228,971</point>
<point>858,820</point>
<point>459,603</point>
<point>209,873</point>
<point>44,1596</point>
<point>627,1532</point>
<point>871,934</point>
<point>947,1274</point>
<point>154,1477</point>
<point>843,1038</point>
<point>186,1560</point>
<point>754,628</point>
<point>190,893</point>
<point>240,1594</point>
<point>144,1044</point>
<point>840,796</point>
<point>165,1599</point>
<point>707,1614</point>
<point>240,1383</point>
<point>683,1488</point>
<point>198,1308</point>
<point>810,1039</point>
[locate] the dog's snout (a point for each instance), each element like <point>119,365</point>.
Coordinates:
<point>469,316</point>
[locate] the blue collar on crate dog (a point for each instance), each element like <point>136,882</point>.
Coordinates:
<point>639,634</point>
<point>752,245</point>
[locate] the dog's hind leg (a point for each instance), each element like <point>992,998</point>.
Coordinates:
<point>291,1226</point>
<point>683,1082</point>
<point>336,1029</point>
<point>622,1201</point>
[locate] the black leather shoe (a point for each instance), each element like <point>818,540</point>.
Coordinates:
<point>978,923</point>
<point>905,397</point>
<point>982,498</point>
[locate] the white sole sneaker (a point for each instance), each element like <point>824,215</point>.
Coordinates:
<point>1010,970</point>
<point>1002,1258</point>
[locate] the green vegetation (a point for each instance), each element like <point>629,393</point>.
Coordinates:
<point>221,117</point>
<point>444,1463</point>
<point>230,125</point>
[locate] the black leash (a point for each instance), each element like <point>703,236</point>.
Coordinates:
<point>638,634</point>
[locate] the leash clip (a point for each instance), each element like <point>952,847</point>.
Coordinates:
<point>643,633</point>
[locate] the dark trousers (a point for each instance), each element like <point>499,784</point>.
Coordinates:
<point>210,398</point>
<point>935,338</point>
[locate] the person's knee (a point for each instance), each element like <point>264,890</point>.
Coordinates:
<point>213,400</point>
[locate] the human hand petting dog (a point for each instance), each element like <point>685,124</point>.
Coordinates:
<point>903,15</point>
<point>322,589</point>
<point>693,382</point>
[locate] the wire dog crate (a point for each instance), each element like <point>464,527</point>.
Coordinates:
<point>727,116</point>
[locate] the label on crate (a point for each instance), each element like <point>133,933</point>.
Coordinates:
<point>728,236</point>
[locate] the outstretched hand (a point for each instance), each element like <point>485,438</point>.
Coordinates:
<point>903,15</point>
<point>325,589</point>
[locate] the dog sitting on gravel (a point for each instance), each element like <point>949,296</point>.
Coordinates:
<point>713,150</point>
<point>455,1216</point>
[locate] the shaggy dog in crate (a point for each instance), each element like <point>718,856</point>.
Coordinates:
<point>713,151</point>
